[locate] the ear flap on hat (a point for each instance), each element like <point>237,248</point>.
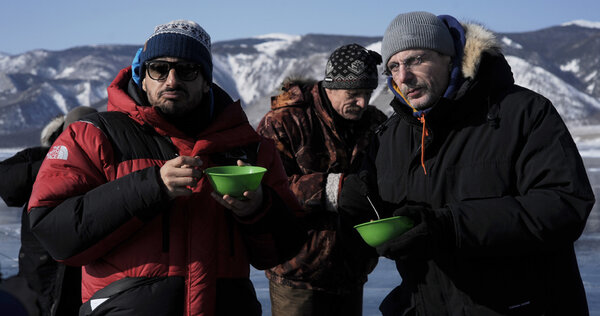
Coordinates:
<point>136,67</point>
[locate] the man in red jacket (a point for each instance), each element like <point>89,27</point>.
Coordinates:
<point>123,193</point>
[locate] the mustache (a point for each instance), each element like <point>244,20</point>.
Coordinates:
<point>354,108</point>
<point>176,89</point>
<point>410,87</point>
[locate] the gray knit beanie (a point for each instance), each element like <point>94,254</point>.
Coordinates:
<point>416,30</point>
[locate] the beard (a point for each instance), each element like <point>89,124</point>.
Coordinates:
<point>176,108</point>
<point>423,100</point>
<point>353,112</point>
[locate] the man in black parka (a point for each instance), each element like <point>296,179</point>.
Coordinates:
<point>54,287</point>
<point>486,169</point>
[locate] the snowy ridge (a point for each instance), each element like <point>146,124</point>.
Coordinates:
<point>277,43</point>
<point>571,103</point>
<point>583,23</point>
<point>38,85</point>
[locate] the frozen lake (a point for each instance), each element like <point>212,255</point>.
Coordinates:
<point>385,277</point>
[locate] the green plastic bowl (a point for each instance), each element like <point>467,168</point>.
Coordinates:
<point>235,180</point>
<point>377,232</point>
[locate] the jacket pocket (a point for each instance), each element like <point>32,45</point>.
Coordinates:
<point>487,179</point>
<point>138,296</point>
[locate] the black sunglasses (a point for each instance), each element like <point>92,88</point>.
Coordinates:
<point>159,70</point>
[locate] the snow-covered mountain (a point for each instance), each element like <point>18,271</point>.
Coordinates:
<point>259,65</point>
<point>560,62</point>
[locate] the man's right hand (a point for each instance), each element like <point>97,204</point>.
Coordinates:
<point>181,174</point>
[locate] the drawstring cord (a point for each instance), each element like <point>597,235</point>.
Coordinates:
<point>421,119</point>
<point>423,134</point>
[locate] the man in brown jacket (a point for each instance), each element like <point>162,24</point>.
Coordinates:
<point>321,130</point>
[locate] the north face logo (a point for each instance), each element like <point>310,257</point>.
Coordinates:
<point>58,152</point>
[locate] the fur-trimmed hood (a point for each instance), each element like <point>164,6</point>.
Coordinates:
<point>296,81</point>
<point>483,65</point>
<point>51,131</point>
<point>292,92</point>
<point>478,40</point>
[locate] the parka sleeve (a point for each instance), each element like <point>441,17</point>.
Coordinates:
<point>77,209</point>
<point>550,202</point>
<point>276,235</point>
<point>18,174</point>
<point>308,186</point>
<point>354,207</point>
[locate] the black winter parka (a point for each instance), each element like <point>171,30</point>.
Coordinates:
<point>501,160</point>
<point>57,287</point>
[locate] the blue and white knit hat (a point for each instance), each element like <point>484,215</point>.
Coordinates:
<point>182,39</point>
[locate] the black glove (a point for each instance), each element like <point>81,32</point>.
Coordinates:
<point>354,208</point>
<point>353,201</point>
<point>433,229</point>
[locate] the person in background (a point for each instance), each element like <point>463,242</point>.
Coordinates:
<point>321,130</point>
<point>486,170</point>
<point>123,194</point>
<point>57,287</point>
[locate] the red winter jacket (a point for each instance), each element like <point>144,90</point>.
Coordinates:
<point>98,202</point>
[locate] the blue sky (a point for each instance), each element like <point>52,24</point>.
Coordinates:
<point>54,25</point>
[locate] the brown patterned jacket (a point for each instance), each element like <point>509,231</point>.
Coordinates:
<point>317,146</point>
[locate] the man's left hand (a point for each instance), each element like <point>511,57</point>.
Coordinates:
<point>242,208</point>
<point>433,229</point>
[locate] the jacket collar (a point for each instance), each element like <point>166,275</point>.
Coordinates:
<point>229,117</point>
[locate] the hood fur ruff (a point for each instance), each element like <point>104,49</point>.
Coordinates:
<point>52,127</point>
<point>292,80</point>
<point>478,40</point>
